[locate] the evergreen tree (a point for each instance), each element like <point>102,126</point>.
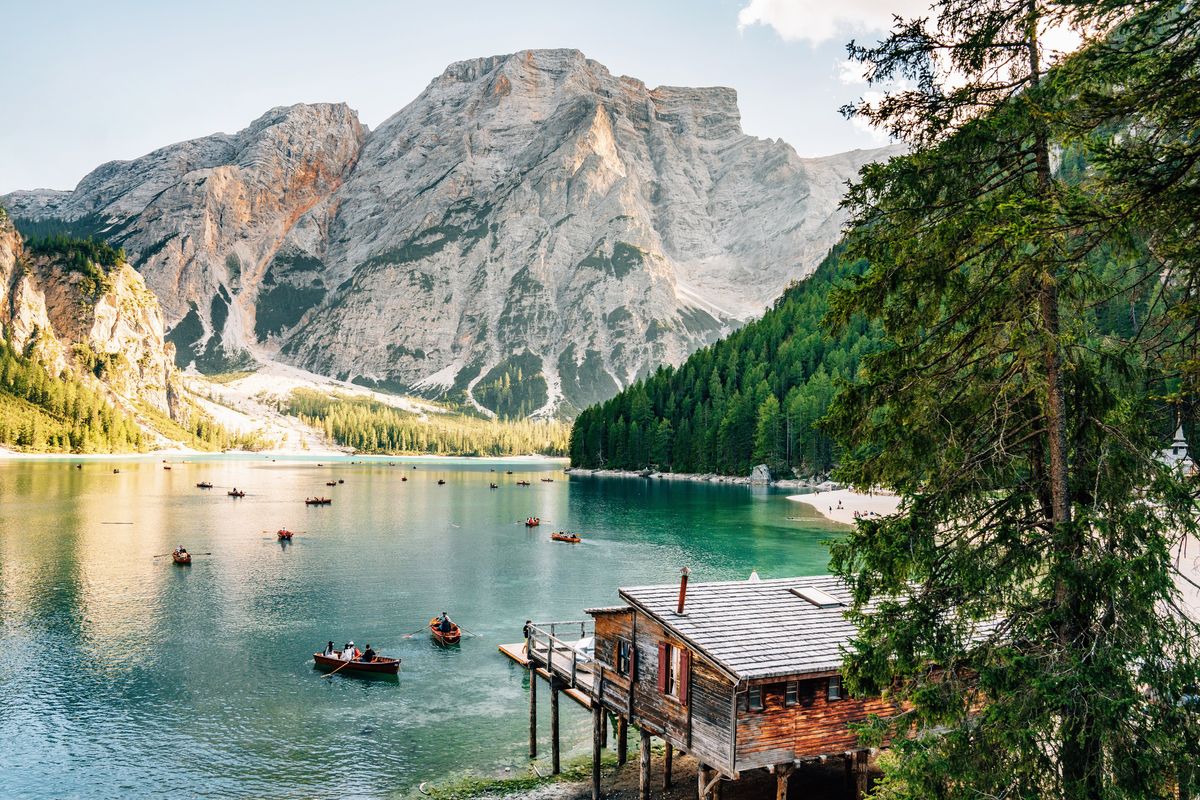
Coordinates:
<point>1031,560</point>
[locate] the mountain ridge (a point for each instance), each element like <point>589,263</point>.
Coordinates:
<point>528,235</point>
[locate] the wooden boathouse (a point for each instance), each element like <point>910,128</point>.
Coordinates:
<point>741,675</point>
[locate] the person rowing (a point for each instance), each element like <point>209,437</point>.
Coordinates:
<point>445,624</point>
<point>368,655</point>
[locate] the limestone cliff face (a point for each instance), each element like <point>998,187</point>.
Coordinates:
<point>203,219</point>
<point>109,329</point>
<point>530,234</point>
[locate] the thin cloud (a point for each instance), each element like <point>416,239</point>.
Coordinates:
<point>820,21</point>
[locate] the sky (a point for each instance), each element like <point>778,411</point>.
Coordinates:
<point>88,82</point>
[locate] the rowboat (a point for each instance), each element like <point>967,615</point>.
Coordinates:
<point>453,636</point>
<point>380,666</point>
<point>284,534</point>
<point>236,493</point>
<point>441,482</point>
<point>318,501</point>
<point>493,486</point>
<point>522,483</point>
<point>533,522</point>
<point>572,538</point>
<point>547,480</point>
<point>331,483</point>
<point>167,467</point>
<point>181,558</point>
<point>203,485</point>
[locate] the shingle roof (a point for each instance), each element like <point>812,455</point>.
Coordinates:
<point>755,629</point>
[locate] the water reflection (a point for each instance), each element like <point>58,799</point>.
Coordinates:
<point>122,674</point>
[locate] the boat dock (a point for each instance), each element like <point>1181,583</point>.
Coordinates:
<point>560,662</point>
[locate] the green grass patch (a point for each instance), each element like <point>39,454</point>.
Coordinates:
<point>466,787</point>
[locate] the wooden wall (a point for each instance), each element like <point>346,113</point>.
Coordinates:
<point>703,727</point>
<point>781,733</point>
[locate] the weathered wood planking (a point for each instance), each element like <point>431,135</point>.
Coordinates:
<point>703,727</point>
<point>736,636</point>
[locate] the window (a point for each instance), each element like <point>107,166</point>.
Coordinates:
<point>624,657</point>
<point>808,693</point>
<point>675,674</point>
<point>754,698</point>
<point>835,689</point>
<point>674,671</point>
<point>791,693</point>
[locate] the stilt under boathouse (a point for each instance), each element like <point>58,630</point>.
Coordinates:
<point>740,675</point>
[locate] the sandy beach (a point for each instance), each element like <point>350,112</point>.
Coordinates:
<point>840,505</point>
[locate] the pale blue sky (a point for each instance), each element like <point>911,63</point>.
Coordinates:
<point>88,82</point>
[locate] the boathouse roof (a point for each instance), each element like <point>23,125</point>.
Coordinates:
<point>757,629</point>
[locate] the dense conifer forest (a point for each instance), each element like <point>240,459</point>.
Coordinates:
<point>752,398</point>
<point>370,426</point>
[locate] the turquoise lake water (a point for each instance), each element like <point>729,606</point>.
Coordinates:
<point>123,675</point>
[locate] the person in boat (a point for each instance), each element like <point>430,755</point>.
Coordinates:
<point>329,651</point>
<point>181,551</point>
<point>445,624</point>
<point>348,651</point>
<point>369,653</point>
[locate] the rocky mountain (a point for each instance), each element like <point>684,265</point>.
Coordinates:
<point>529,235</point>
<point>84,313</point>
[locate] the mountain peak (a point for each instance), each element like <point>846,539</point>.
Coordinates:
<point>528,235</point>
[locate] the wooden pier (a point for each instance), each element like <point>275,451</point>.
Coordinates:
<point>558,661</point>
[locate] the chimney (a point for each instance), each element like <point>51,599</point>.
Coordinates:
<point>683,578</point>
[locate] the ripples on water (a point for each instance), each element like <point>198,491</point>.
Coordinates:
<point>122,675</point>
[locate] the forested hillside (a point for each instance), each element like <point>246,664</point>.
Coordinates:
<point>749,399</point>
<point>756,397</point>
<point>370,426</point>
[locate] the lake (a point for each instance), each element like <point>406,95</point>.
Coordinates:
<point>122,674</point>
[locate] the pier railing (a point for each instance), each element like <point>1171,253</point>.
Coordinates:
<point>546,642</point>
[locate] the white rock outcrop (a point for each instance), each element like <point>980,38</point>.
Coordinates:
<point>529,234</point>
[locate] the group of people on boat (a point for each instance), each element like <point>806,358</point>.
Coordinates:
<point>350,653</point>
<point>533,522</point>
<point>181,551</point>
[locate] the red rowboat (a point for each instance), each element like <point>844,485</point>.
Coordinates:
<point>380,666</point>
<point>181,558</point>
<point>284,534</point>
<point>453,636</point>
<point>572,538</point>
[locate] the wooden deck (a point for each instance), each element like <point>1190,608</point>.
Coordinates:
<point>579,690</point>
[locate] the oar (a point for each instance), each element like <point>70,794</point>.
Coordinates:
<point>330,675</point>
<point>472,633</point>
<point>414,633</point>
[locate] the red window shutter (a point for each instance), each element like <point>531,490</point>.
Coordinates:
<point>685,675</point>
<point>664,664</point>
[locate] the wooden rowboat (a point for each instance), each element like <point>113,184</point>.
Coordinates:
<point>236,493</point>
<point>380,666</point>
<point>533,523</point>
<point>331,483</point>
<point>203,485</point>
<point>453,636</point>
<point>318,501</point>
<point>441,482</point>
<point>284,534</point>
<point>572,538</point>
<point>181,558</point>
